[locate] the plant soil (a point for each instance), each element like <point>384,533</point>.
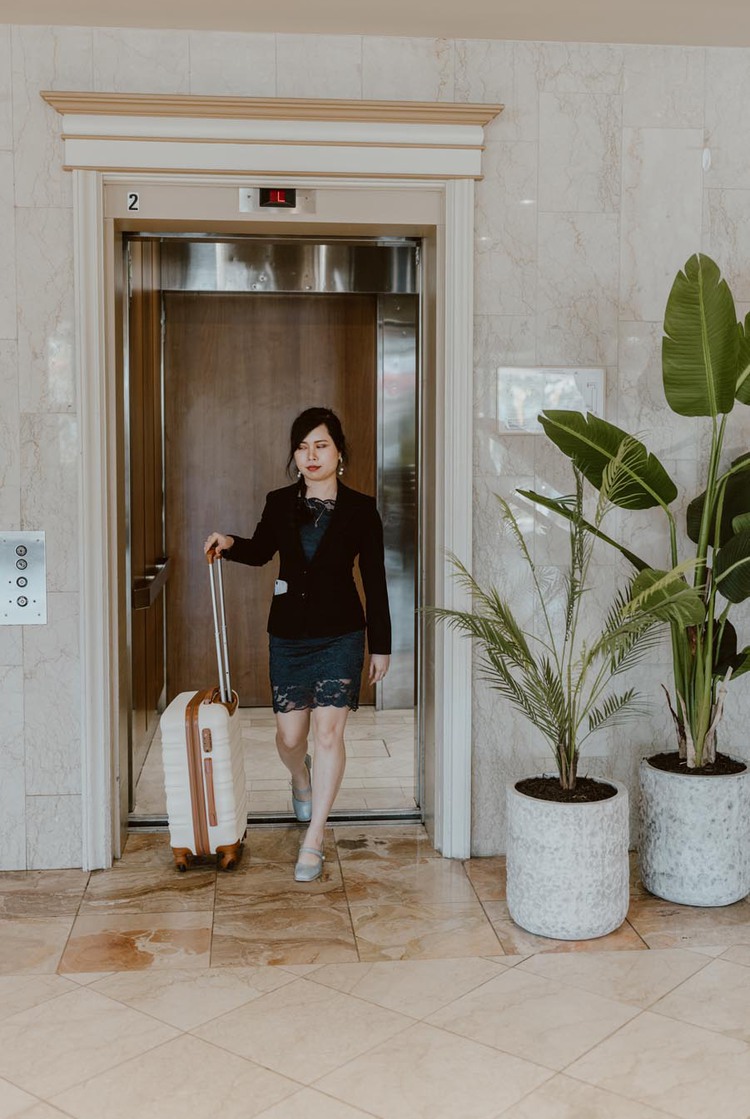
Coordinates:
<point>672,763</point>
<point>549,788</point>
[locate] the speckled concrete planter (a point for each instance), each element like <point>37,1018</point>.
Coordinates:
<point>568,865</point>
<point>695,836</point>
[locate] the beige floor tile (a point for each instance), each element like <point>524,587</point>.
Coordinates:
<point>404,932</point>
<point>414,987</point>
<point>684,1070</point>
<point>41,893</point>
<point>738,954</point>
<point>126,941</point>
<point>717,998</point>
<point>184,1077</point>
<point>563,1098</point>
<point>311,1104</point>
<point>425,1073</point>
<point>664,924</point>
<point>274,935</point>
<point>42,1111</point>
<point>638,978</point>
<point>86,978</point>
<point>304,1030</point>
<point>487,876</point>
<point>21,992</point>
<point>186,999</point>
<point>423,881</point>
<point>514,939</point>
<point>14,1101</point>
<point>145,850</point>
<point>273,885</point>
<point>278,845</point>
<point>534,1018</point>
<point>32,944</point>
<point>53,1046</point>
<point>397,841</point>
<point>149,891</point>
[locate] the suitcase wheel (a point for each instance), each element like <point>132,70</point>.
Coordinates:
<point>229,856</point>
<point>183,857</point>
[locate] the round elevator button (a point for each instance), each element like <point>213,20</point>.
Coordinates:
<point>21,550</point>
<point>22,601</point>
<point>21,564</point>
<point>22,581</point>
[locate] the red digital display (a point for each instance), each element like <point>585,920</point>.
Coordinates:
<point>282,198</point>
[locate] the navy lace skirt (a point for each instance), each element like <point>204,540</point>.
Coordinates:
<point>311,672</point>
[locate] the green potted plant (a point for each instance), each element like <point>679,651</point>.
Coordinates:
<point>695,832</point>
<point>567,849</point>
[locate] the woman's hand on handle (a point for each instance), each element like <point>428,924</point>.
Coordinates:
<point>217,543</point>
<point>379,663</point>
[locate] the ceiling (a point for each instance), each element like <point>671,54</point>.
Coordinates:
<point>720,23</point>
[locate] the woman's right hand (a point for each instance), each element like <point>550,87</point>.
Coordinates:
<point>218,543</point>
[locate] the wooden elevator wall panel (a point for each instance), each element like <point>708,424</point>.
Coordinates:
<point>238,369</point>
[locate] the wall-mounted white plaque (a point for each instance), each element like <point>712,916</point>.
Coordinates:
<point>522,393</point>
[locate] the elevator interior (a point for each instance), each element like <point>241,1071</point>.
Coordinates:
<point>227,340</point>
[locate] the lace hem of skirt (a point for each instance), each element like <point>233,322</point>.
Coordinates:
<point>325,693</point>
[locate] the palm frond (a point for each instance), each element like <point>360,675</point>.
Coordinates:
<point>616,710</point>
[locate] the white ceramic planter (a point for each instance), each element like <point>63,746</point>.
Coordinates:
<point>568,872</point>
<point>695,836</point>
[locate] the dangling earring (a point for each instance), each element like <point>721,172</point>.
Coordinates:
<point>299,475</point>
<point>340,470</point>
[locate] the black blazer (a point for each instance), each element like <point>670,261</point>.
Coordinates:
<point>322,599</point>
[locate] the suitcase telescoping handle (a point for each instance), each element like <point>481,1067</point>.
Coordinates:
<point>220,624</point>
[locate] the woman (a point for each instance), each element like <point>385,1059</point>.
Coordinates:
<point>316,624</point>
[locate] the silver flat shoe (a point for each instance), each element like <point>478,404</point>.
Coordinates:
<point>308,872</point>
<point>303,808</point>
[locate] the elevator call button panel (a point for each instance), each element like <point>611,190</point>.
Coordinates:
<point>23,579</point>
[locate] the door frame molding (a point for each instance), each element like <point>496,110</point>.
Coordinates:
<point>94,304</point>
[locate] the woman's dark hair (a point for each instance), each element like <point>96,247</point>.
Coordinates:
<point>306,422</point>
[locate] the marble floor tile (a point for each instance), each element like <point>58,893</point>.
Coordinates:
<point>311,1104</point>
<point>274,935</point>
<point>41,1111</point>
<point>425,1073</point>
<point>279,845</point>
<point>487,876</point>
<point>189,998</point>
<point>21,992</point>
<point>664,924</point>
<point>406,841</point>
<point>420,882</point>
<point>413,987</point>
<point>41,893</point>
<point>404,932</point>
<point>638,978</point>
<point>14,1101</point>
<point>717,998</point>
<point>682,1069</point>
<point>51,1047</point>
<point>125,941</point>
<point>149,891</point>
<point>738,954</point>
<point>514,939</point>
<point>304,1030</point>
<point>185,1077</point>
<point>272,885</point>
<point>145,850</point>
<point>563,1098</point>
<point>534,1018</point>
<point>32,944</point>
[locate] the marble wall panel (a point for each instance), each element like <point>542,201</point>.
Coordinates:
<point>10,440</point>
<point>727,237</point>
<point>661,215</point>
<point>505,268</point>
<point>52,729</point>
<point>53,832</point>
<point>49,492</point>
<point>641,403</point>
<point>579,152</point>
<point>6,96</point>
<point>12,775</point>
<point>225,64</point>
<point>496,557</point>
<point>8,239</point>
<point>332,68</point>
<point>407,69</point>
<point>727,121</point>
<point>664,87</point>
<point>46,310</point>
<point>498,340</point>
<point>577,305</point>
<point>575,67</point>
<point>45,58</point>
<point>491,72</point>
<point>131,60</point>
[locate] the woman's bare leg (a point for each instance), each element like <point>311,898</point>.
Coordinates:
<point>292,729</point>
<point>330,759</point>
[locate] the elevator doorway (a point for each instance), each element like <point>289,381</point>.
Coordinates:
<point>249,332</point>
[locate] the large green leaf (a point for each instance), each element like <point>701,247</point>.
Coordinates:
<point>743,362</point>
<point>667,596</point>
<point>594,445</point>
<point>701,345</point>
<point>736,503</point>
<point>732,567</point>
<point>559,506</point>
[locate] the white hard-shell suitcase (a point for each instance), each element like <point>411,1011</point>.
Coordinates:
<point>204,772</point>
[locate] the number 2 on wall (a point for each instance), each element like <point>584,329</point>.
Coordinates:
<point>134,200</point>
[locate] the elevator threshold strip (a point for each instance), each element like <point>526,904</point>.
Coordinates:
<point>284,819</point>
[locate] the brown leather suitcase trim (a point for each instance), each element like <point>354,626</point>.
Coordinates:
<point>208,768</point>
<point>195,774</point>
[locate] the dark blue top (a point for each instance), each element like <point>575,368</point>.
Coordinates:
<point>312,532</point>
